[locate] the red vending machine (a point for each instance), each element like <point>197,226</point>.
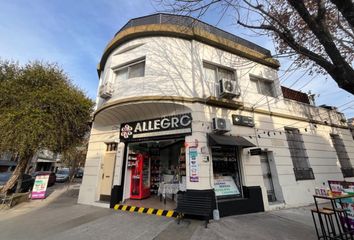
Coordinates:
<point>140,177</point>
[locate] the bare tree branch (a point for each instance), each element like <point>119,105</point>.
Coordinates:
<point>346,7</point>
<point>320,31</point>
<point>292,43</point>
<point>321,12</point>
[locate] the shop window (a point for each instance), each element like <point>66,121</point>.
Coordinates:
<point>214,73</point>
<point>263,86</point>
<point>298,153</point>
<point>111,147</point>
<point>342,154</point>
<point>132,70</point>
<point>227,177</point>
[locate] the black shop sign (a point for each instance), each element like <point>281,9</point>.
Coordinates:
<point>164,126</point>
<point>242,120</point>
<point>255,151</point>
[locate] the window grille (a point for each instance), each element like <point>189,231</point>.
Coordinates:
<point>343,157</point>
<point>298,154</point>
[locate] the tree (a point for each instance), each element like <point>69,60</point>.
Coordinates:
<point>74,157</point>
<point>39,109</point>
<point>317,34</point>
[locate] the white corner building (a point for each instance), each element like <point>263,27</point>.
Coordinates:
<point>203,111</point>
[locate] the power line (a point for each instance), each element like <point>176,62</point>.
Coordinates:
<point>269,101</point>
<point>274,90</point>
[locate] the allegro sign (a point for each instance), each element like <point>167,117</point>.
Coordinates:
<point>169,125</point>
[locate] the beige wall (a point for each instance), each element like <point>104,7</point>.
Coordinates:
<point>174,68</point>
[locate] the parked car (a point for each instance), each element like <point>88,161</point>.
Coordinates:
<point>62,175</point>
<point>27,181</point>
<point>79,173</point>
<point>52,177</point>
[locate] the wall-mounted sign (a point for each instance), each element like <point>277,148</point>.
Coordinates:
<point>242,120</point>
<point>225,185</point>
<point>255,151</point>
<point>170,125</point>
<point>193,165</point>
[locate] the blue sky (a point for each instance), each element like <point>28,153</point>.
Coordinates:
<point>74,34</point>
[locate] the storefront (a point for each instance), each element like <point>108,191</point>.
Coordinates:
<point>232,197</point>
<point>154,167</point>
<point>158,162</point>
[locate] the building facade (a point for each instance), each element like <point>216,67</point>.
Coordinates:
<point>206,108</point>
<point>43,160</point>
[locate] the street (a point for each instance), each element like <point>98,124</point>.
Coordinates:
<point>63,218</point>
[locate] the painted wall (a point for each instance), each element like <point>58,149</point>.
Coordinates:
<point>320,150</point>
<point>174,67</point>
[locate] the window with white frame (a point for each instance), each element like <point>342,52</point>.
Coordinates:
<point>213,73</point>
<point>302,168</point>
<point>132,70</point>
<point>263,86</point>
<point>342,154</point>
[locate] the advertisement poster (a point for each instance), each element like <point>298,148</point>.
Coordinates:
<point>225,185</point>
<point>193,165</point>
<point>346,203</point>
<point>40,187</point>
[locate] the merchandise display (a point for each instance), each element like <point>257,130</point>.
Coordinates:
<point>155,170</point>
<point>182,162</point>
<point>152,164</point>
<point>140,177</point>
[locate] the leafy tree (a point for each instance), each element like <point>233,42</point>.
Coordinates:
<point>75,157</point>
<point>39,109</point>
<point>318,34</point>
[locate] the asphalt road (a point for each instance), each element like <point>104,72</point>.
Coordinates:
<point>63,219</point>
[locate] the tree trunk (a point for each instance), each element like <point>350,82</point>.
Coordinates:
<point>17,175</point>
<point>73,169</point>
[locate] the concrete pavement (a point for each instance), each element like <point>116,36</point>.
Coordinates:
<point>63,219</point>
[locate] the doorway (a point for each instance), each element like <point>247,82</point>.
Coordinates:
<point>267,177</point>
<point>155,172</point>
<point>107,171</point>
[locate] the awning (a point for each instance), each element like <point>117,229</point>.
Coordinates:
<point>215,139</point>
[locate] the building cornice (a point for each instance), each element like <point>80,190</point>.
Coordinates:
<point>211,101</point>
<point>189,33</point>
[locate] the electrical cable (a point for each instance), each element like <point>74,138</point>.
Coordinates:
<point>275,90</point>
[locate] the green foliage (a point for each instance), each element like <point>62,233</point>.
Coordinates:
<point>40,109</point>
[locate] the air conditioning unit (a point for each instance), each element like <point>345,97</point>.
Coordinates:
<point>228,88</point>
<point>221,125</point>
<point>106,90</point>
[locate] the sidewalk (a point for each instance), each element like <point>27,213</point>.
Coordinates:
<point>62,218</point>
<point>52,194</point>
<point>287,224</point>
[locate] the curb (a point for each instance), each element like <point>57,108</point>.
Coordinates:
<point>150,211</point>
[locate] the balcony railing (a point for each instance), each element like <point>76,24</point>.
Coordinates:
<point>163,18</point>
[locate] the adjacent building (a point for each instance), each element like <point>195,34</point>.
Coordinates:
<point>203,110</point>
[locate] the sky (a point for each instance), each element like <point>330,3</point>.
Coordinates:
<point>75,33</point>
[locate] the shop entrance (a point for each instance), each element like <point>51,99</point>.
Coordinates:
<point>155,172</point>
